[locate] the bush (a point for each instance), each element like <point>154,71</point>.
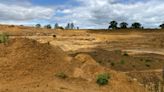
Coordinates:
<point>122,62</point>
<point>118,52</point>
<point>125,54</point>
<point>103,79</point>
<point>61,75</point>
<point>4,38</point>
<point>112,64</point>
<point>147,65</point>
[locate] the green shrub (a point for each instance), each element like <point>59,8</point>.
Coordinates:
<point>112,64</point>
<point>125,54</point>
<point>61,75</point>
<point>147,65</point>
<point>148,60</point>
<point>122,62</point>
<point>133,66</point>
<point>118,52</point>
<point>3,38</point>
<point>103,79</point>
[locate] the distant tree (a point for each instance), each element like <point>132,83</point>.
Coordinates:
<point>78,28</point>
<point>56,25</point>
<point>68,26</point>
<point>60,27</point>
<point>123,25</point>
<point>48,26</point>
<point>161,26</point>
<point>38,26</point>
<point>113,25</point>
<point>72,26</point>
<point>136,25</point>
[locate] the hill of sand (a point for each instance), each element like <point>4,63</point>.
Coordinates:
<point>29,66</point>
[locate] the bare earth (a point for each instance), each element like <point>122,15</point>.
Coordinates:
<point>33,56</point>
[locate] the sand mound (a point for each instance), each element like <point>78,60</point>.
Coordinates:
<point>25,57</point>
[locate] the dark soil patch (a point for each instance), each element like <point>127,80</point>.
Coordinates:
<point>122,61</point>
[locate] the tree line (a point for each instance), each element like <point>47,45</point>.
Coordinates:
<point>112,25</point>
<point>56,26</point>
<point>124,25</point>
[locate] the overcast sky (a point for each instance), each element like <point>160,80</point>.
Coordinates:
<point>84,13</point>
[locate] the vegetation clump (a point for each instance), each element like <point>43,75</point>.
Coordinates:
<point>103,79</point>
<point>122,62</point>
<point>61,75</point>
<point>112,64</point>
<point>125,54</point>
<point>4,38</point>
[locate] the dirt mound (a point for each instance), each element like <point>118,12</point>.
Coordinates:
<point>25,57</point>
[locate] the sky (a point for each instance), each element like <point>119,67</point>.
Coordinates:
<point>83,13</point>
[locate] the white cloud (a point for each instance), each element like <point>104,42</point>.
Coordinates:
<point>99,13</point>
<point>26,12</point>
<point>89,14</point>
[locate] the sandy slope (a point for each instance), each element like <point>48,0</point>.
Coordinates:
<point>29,66</point>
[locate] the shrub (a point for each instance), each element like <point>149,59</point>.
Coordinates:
<point>122,62</point>
<point>61,75</point>
<point>4,38</point>
<point>103,79</point>
<point>148,60</point>
<point>147,65</point>
<point>125,54</point>
<point>118,51</point>
<point>133,66</point>
<point>112,64</point>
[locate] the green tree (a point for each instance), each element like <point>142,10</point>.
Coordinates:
<point>113,25</point>
<point>123,25</point>
<point>56,25</point>
<point>68,26</point>
<point>48,26</point>
<point>72,26</point>
<point>161,26</point>
<point>38,26</point>
<point>136,25</point>
<point>78,28</point>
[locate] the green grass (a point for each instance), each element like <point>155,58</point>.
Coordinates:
<point>4,38</point>
<point>61,75</point>
<point>103,79</point>
<point>122,62</point>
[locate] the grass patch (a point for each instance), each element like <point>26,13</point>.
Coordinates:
<point>103,79</point>
<point>147,65</point>
<point>112,64</point>
<point>4,38</point>
<point>125,54</point>
<point>148,60</point>
<point>118,51</point>
<point>122,62</point>
<point>61,75</point>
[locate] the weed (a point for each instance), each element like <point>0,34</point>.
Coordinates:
<point>133,66</point>
<point>125,54</point>
<point>118,51</point>
<point>61,75</point>
<point>3,38</point>
<point>122,62</point>
<point>147,65</point>
<point>103,79</point>
<point>112,64</point>
<point>148,60</point>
